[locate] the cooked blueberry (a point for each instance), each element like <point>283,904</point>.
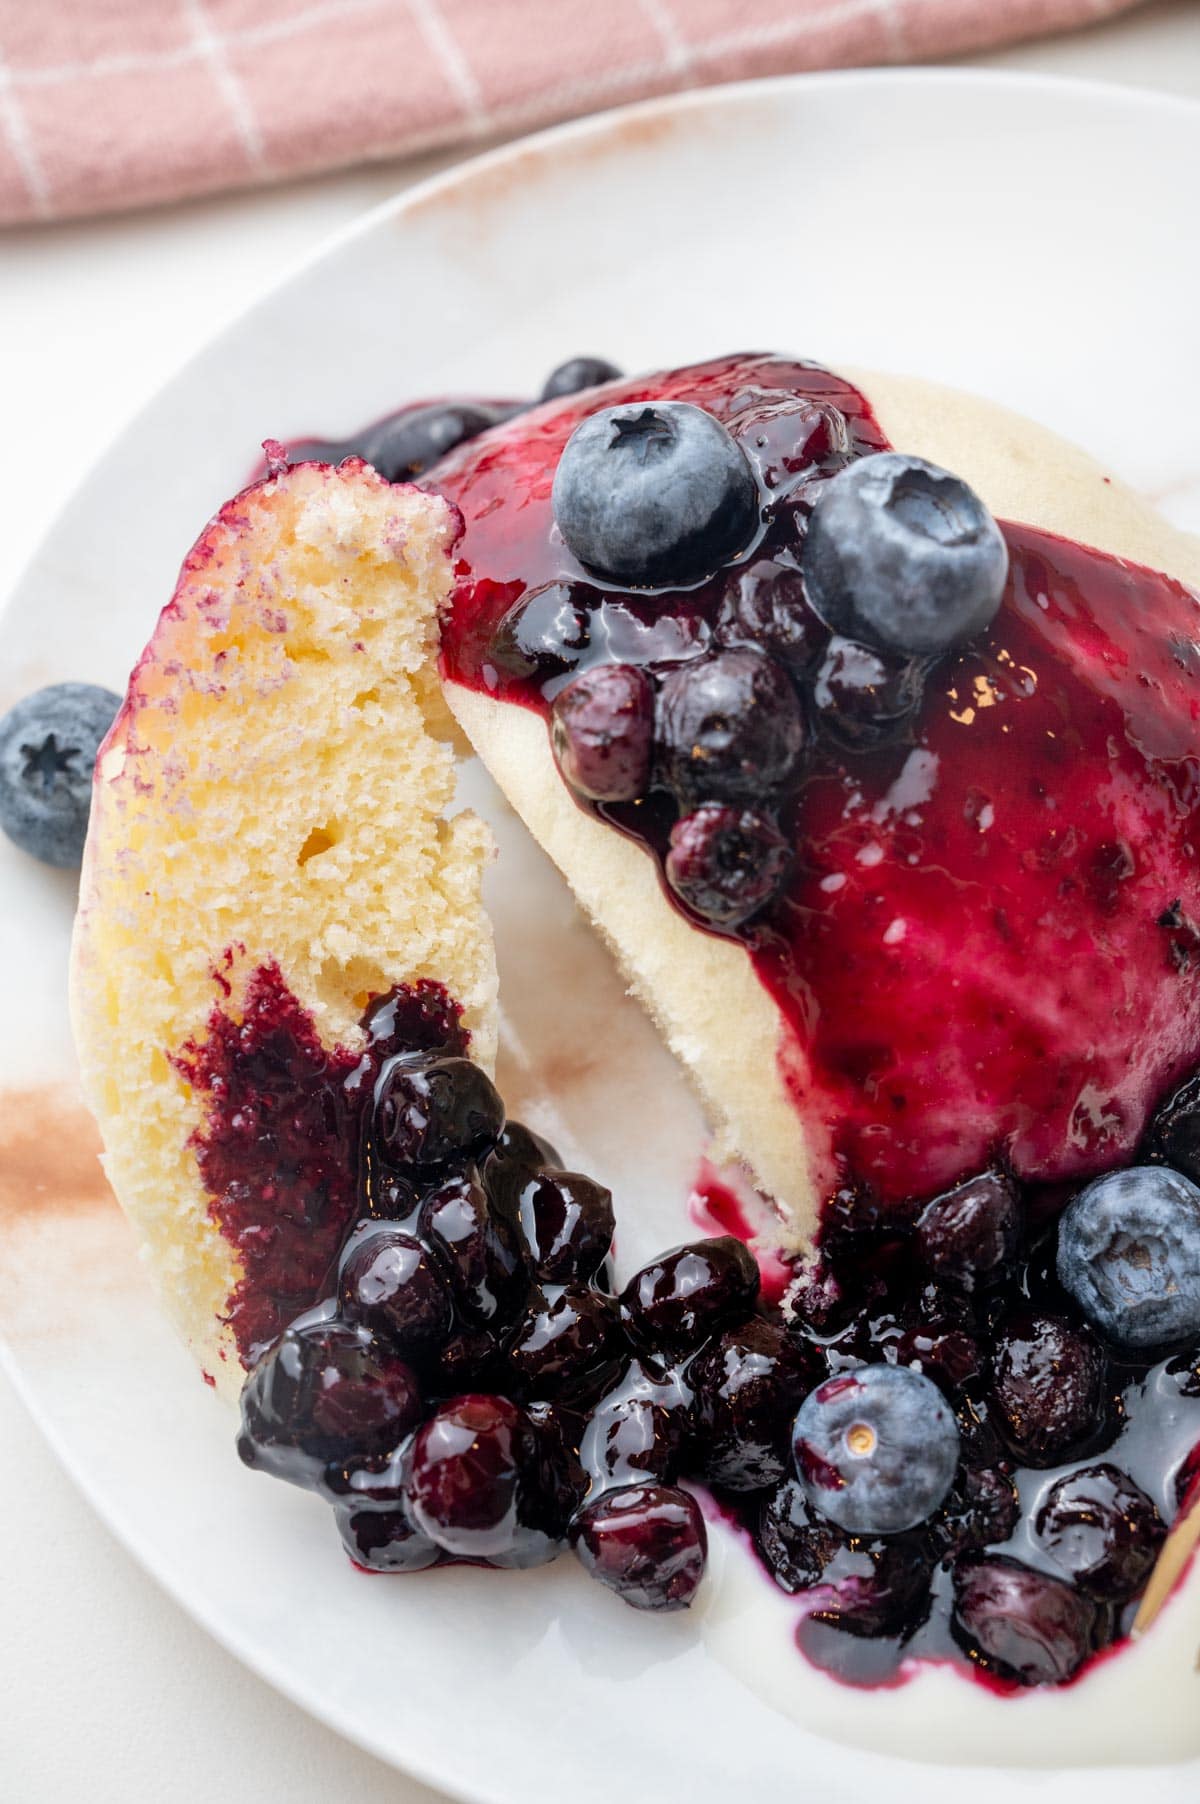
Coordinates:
<point>645,1542</point>
<point>764,605</point>
<point>407,443</point>
<point>640,1430</point>
<point>725,863</point>
<point>602,732</point>
<point>1129,1254</point>
<point>546,632</point>
<point>902,555</point>
<point>880,1588</point>
<point>972,1230</point>
<point>517,1156</point>
<point>385,1540</point>
<point>730,727</point>
<point>385,1195</point>
<point>565,1341</point>
<point>1101,1531</point>
<point>690,1293</point>
<point>876,1450</point>
<point>1175,1132</point>
<point>1037,1629</point>
<point>578,373</point>
<point>369,1494</point>
<point>48,746</point>
<point>432,1112</point>
<point>747,1384</point>
<point>568,1225</point>
<point>476,1244</point>
<point>981,1510</point>
<point>864,698</point>
<point>1048,1388</point>
<point>389,1281</point>
<point>654,493</point>
<point>471,1465</point>
<point>795,1542</point>
<point>325,1392</point>
<point>948,1355</point>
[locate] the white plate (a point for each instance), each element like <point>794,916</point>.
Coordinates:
<point>1030,239</point>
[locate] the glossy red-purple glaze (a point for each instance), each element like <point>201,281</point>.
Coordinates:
<point>278,1148</point>
<point>986,948</point>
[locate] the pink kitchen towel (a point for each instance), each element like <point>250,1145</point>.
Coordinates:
<point>116,103</point>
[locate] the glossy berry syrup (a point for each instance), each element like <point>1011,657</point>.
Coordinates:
<point>986,946</point>
<point>279,1146</point>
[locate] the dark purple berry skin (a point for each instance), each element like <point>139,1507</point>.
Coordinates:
<point>435,1112</point>
<point>602,732</point>
<point>873,1589</point>
<point>796,1544</point>
<point>864,698</point>
<point>730,727</point>
<point>470,1464</point>
<point>1101,1531</point>
<point>568,1225</point>
<point>386,1196</point>
<point>369,1495</point>
<point>578,373</point>
<point>546,633</point>
<point>725,864</point>
<point>326,1391</point>
<point>476,1244</point>
<point>747,1385</point>
<point>765,606</point>
<point>946,1354</point>
<point>1048,1388</point>
<point>645,1542</point>
<point>690,1293</point>
<point>639,1431</point>
<point>972,1230</point>
<point>981,1511</point>
<point>469,1361</point>
<point>392,1284</point>
<point>565,1342</point>
<point>1175,1132</point>
<point>1036,1629</point>
<point>518,1155</point>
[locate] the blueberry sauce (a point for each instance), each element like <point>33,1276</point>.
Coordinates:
<point>1018,819</point>
<point>278,1146</point>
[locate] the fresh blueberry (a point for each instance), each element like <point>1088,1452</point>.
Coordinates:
<point>565,1343</point>
<point>578,373</point>
<point>1129,1254</point>
<point>746,1386</point>
<point>653,493</point>
<point>326,1391</point>
<point>568,1225</point>
<point>726,863</point>
<point>970,1231</point>
<point>640,1430</point>
<point>48,746</point>
<point>864,698</point>
<point>690,1293</point>
<point>876,1450</point>
<point>765,605</point>
<point>547,632</point>
<point>602,732</point>
<point>645,1542</point>
<point>472,1464</point>
<point>1048,1388</point>
<point>432,1112</point>
<point>477,1245</point>
<point>1037,1629</point>
<point>902,555</point>
<point>1101,1531</point>
<point>389,1281</point>
<point>730,727</point>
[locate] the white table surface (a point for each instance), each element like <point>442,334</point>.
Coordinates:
<point>107,1691</point>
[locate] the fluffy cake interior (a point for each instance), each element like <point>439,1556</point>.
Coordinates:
<point>275,787</point>
<point>702,992</point>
